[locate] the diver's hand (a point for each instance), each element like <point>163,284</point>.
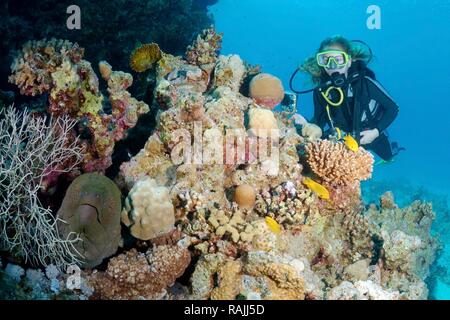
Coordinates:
<point>312,131</point>
<point>368,136</point>
<point>299,119</point>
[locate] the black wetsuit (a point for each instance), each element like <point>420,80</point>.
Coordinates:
<point>376,109</point>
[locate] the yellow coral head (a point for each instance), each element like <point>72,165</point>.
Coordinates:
<point>143,57</point>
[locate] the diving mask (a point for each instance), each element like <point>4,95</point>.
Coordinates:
<point>333,59</point>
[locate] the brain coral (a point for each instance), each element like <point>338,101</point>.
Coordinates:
<point>91,207</point>
<point>334,163</point>
<point>267,90</point>
<point>148,210</point>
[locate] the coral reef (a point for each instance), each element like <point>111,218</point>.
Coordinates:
<point>408,246</point>
<point>267,90</point>
<point>91,209</point>
<point>319,248</point>
<point>148,210</point>
<point>109,30</point>
<point>263,215</point>
<point>56,67</point>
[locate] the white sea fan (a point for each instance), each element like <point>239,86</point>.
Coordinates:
<point>29,145</point>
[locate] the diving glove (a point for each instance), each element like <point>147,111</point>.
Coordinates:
<point>309,130</point>
<point>312,131</point>
<point>368,136</point>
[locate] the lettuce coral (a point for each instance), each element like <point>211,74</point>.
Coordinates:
<point>143,57</point>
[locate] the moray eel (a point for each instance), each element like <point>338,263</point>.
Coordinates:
<point>91,208</point>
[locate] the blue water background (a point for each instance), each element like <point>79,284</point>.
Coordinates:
<point>412,51</point>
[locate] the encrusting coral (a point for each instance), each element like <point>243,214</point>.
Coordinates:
<point>91,210</point>
<point>135,275</point>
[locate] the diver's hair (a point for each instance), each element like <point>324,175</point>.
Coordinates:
<point>355,51</point>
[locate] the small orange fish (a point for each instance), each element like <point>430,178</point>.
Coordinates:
<point>319,189</point>
<point>351,143</point>
<point>273,225</point>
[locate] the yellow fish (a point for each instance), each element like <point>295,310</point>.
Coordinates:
<point>319,189</point>
<point>351,143</point>
<point>273,225</point>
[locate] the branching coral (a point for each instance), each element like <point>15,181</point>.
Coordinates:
<point>31,150</point>
<point>205,47</point>
<point>334,163</point>
<point>135,275</point>
<point>57,67</point>
<point>359,236</point>
<point>209,226</point>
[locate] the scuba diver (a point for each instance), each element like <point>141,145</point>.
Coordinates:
<point>348,98</point>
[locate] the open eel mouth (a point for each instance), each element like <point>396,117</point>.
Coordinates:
<point>87,213</point>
